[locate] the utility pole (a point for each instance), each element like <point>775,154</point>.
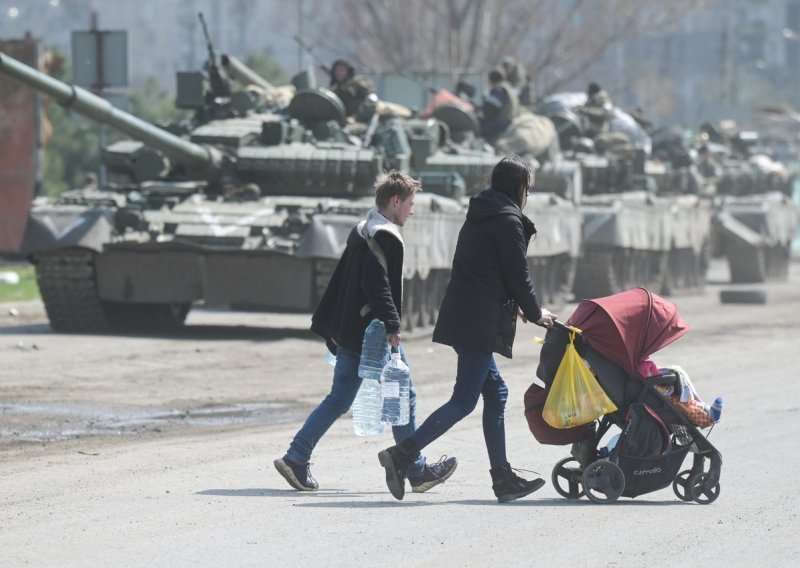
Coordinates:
<point>98,89</point>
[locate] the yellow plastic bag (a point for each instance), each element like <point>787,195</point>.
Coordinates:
<point>575,397</point>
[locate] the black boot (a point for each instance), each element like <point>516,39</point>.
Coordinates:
<point>508,486</point>
<point>396,461</point>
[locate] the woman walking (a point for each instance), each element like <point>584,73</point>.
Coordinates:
<point>489,287</point>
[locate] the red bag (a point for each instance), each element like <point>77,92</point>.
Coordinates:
<point>535,397</point>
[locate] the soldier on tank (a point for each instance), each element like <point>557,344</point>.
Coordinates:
<point>355,91</point>
<point>500,106</point>
<point>707,169</point>
<point>597,109</point>
<point>517,77</point>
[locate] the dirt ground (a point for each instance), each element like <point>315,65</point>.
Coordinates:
<point>153,451</point>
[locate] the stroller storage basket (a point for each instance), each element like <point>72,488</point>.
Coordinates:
<point>645,475</point>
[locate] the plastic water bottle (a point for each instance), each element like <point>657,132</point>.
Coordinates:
<point>367,409</point>
<point>330,358</point>
<point>606,450</point>
<point>374,351</point>
<point>715,412</point>
<point>395,386</point>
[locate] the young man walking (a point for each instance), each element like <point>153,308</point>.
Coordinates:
<point>366,284</point>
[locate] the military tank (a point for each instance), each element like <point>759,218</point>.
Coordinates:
<point>250,210</point>
<point>756,217</point>
<point>639,227</point>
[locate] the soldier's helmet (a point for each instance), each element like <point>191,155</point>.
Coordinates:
<point>351,71</point>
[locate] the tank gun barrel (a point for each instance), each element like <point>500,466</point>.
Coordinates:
<point>96,108</point>
<point>242,73</point>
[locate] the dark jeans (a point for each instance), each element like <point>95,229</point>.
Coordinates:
<point>343,391</point>
<point>477,374</point>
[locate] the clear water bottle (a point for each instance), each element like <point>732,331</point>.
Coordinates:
<point>374,351</point>
<point>395,386</point>
<point>367,409</point>
<point>715,412</point>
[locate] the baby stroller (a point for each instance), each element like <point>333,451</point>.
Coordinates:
<point>616,332</point>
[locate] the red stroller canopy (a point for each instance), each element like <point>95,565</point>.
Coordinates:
<point>629,326</point>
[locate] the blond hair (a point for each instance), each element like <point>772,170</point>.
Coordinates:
<point>392,183</point>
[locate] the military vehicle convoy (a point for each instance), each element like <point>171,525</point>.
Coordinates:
<point>250,205</point>
<point>640,227</point>
<point>248,210</point>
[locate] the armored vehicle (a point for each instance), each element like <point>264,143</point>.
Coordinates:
<point>248,209</point>
<point>639,226</point>
<point>755,217</point>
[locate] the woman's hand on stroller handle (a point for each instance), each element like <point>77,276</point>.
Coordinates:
<point>547,320</point>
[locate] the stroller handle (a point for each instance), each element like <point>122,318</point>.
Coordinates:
<point>560,325</point>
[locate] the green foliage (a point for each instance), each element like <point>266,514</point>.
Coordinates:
<point>153,103</point>
<point>26,289</point>
<point>265,66</point>
<point>72,150</point>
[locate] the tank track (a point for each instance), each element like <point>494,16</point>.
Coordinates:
<point>603,271</point>
<point>553,279</point>
<point>686,271</point>
<point>67,284</point>
<point>422,298</point>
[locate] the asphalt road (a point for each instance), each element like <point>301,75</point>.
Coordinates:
<point>157,451</point>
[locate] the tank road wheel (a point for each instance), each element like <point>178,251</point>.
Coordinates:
<point>565,280</point>
<point>439,279</point>
<point>655,269</point>
<point>431,299</point>
<point>680,485</point>
<point>598,273</point>
<point>603,481</point>
<point>150,317</point>
<point>423,313</point>
<point>567,480</point>
<point>778,262</point>
<point>66,280</point>
<point>700,491</point>
<point>410,297</point>
<point>553,278</point>
<point>169,316</point>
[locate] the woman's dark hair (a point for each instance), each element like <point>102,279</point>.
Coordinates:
<point>513,178</point>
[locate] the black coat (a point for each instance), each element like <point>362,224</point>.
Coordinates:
<point>490,278</point>
<point>361,290</point>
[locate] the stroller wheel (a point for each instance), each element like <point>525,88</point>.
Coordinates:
<point>680,485</point>
<point>700,491</point>
<point>603,481</point>
<point>567,480</point>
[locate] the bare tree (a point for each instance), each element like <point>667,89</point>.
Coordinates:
<point>556,40</point>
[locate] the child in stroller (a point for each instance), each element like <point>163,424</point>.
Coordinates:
<point>617,333</point>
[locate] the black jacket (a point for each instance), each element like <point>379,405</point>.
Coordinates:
<point>360,289</point>
<point>490,278</point>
